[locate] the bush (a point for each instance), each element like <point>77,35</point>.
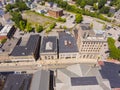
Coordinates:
<point>78,18</point>
<point>114,51</point>
<point>61,19</point>
<point>3,41</point>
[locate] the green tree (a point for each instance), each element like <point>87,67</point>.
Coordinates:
<point>82,4</point>
<point>114,52</point>
<point>78,18</point>
<point>101,3</point>
<point>95,6</point>
<point>9,7</point>
<point>39,28</point>
<point>105,10</point>
<point>52,25</point>
<point>22,24</point>
<point>16,17</point>
<point>28,27</point>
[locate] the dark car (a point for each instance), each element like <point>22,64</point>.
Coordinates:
<point>107,51</point>
<point>110,34</point>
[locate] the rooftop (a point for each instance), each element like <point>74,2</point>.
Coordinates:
<point>10,44</point>
<point>49,44</point>
<point>17,82</point>
<point>67,43</point>
<point>111,71</point>
<point>5,30</point>
<point>89,34</point>
<point>55,9</point>
<point>40,80</point>
<point>76,81</point>
<point>29,49</point>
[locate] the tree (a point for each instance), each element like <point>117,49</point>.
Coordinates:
<point>16,17</point>
<point>105,10</point>
<point>61,19</point>
<point>52,25</point>
<point>28,27</point>
<point>91,25</point>
<point>95,6</point>
<point>104,26</point>
<point>39,28</point>
<point>9,7</point>
<point>114,52</point>
<point>78,18</point>
<point>101,3</point>
<point>82,4</point>
<point>22,24</point>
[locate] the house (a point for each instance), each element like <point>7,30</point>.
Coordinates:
<point>67,46</point>
<point>28,52</point>
<point>49,48</point>
<point>88,7</point>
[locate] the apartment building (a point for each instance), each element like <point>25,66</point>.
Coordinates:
<point>49,48</point>
<point>90,42</point>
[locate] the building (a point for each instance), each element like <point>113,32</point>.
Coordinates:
<point>7,19</point>
<point>49,48</point>
<point>80,77</point>
<point>67,46</point>
<point>90,42</point>
<point>6,49</point>
<point>88,7</point>
<point>111,72</point>
<point>42,80</point>
<point>29,52</point>
<point>17,82</point>
<point>7,32</point>
<point>55,12</point>
<point>39,80</point>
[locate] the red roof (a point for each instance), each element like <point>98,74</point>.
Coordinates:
<point>2,37</point>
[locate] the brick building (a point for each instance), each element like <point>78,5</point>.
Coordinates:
<point>55,12</point>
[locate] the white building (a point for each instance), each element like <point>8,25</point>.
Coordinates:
<point>90,42</point>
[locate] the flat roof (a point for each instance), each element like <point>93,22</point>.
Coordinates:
<point>40,80</point>
<point>28,49</point>
<point>5,30</point>
<point>67,43</point>
<point>77,81</point>
<point>85,29</point>
<point>17,82</point>
<point>55,9</point>
<point>111,71</point>
<point>10,44</point>
<point>49,44</point>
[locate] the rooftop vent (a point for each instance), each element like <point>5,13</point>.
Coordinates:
<point>49,46</point>
<point>23,53</point>
<point>65,42</point>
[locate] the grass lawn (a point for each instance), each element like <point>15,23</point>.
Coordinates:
<point>36,18</point>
